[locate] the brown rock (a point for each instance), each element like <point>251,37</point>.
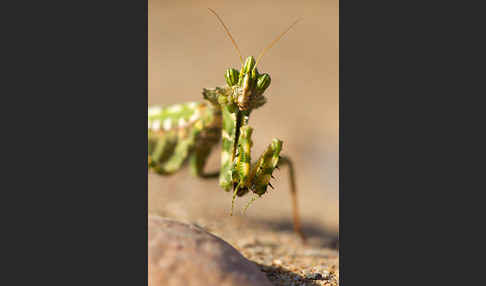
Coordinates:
<point>182,254</point>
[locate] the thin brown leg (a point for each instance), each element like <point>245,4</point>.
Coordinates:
<point>293,192</point>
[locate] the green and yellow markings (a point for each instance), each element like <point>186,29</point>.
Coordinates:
<point>243,161</point>
<point>173,131</point>
<point>264,167</point>
<point>228,149</point>
<point>174,116</point>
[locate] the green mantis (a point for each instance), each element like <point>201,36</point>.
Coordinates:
<point>187,133</point>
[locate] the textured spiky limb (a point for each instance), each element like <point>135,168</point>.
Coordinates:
<point>183,147</point>
<point>255,177</point>
<point>198,161</point>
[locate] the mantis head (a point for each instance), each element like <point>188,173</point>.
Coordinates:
<point>247,84</point>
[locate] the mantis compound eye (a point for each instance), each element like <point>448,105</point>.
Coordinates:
<point>248,66</point>
<point>263,82</point>
<point>231,77</point>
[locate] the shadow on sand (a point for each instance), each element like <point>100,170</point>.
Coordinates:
<point>326,238</point>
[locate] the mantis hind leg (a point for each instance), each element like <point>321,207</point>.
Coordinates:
<point>198,161</point>
<point>173,161</point>
<point>182,146</point>
<point>161,148</point>
<point>284,160</point>
<point>207,139</point>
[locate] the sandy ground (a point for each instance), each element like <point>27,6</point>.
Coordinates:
<point>188,50</point>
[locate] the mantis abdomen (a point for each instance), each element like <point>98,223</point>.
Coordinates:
<point>180,132</point>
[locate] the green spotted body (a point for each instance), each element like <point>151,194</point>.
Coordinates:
<point>179,132</point>
<point>188,132</point>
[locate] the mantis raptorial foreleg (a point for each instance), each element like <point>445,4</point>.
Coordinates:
<point>198,160</point>
<point>257,176</point>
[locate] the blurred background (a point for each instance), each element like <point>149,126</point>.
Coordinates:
<point>188,50</point>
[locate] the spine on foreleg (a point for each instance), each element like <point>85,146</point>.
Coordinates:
<point>264,167</point>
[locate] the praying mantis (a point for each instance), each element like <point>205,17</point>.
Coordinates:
<point>186,133</point>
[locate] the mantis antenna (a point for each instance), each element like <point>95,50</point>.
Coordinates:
<point>275,41</point>
<point>228,33</point>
